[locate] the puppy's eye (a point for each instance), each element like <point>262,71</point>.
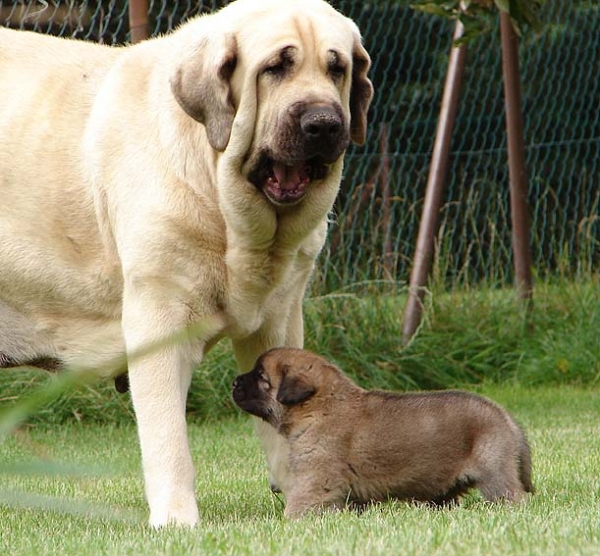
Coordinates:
<point>263,383</point>
<point>262,380</point>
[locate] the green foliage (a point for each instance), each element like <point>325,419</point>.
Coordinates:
<point>475,14</point>
<point>377,214</point>
<point>468,336</point>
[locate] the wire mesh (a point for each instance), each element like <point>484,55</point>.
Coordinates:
<point>376,216</point>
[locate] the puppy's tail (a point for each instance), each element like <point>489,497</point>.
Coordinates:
<point>525,464</point>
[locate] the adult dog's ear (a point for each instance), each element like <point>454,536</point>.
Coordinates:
<point>294,389</point>
<point>361,93</point>
<point>201,85</point>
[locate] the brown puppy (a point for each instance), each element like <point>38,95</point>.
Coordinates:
<point>348,444</point>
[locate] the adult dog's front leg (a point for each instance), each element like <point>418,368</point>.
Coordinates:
<point>159,382</point>
<point>275,446</point>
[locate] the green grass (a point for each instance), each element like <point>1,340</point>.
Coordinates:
<point>70,477</point>
<point>468,337</point>
<point>98,508</point>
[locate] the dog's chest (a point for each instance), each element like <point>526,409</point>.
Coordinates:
<point>263,285</point>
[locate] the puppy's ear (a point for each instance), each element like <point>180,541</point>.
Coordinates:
<point>293,390</point>
<point>201,85</point>
<point>361,93</point>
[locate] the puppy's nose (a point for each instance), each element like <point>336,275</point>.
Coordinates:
<point>237,391</point>
<point>321,124</point>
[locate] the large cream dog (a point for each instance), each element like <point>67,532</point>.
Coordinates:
<point>181,182</point>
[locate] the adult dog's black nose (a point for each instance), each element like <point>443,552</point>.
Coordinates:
<point>321,124</point>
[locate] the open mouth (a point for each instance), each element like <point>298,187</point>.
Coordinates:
<point>286,184</point>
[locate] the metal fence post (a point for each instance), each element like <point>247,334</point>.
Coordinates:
<point>435,187</point>
<point>516,159</point>
<point>138,20</point>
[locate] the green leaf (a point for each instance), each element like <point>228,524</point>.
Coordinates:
<point>503,5</point>
<point>523,13</point>
<point>432,8</point>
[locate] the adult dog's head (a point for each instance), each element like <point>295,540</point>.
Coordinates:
<point>289,383</point>
<point>300,67</point>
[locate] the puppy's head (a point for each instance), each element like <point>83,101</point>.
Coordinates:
<point>282,380</point>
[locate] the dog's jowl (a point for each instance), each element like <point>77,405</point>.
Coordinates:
<point>178,185</point>
<point>352,445</point>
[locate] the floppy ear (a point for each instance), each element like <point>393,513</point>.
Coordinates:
<point>361,93</point>
<point>294,390</point>
<point>201,85</point>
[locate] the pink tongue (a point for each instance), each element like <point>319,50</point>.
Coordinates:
<point>289,177</point>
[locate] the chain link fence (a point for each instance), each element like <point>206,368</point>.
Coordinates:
<point>376,217</point>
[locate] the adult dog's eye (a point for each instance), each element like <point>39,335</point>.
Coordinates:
<point>276,70</point>
<point>337,71</point>
<point>336,65</point>
<point>280,65</point>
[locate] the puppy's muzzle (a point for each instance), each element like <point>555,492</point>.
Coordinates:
<point>237,390</point>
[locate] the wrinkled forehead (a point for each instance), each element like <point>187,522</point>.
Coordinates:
<point>324,33</point>
<point>288,359</point>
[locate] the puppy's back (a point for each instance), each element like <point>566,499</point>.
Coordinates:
<point>448,432</point>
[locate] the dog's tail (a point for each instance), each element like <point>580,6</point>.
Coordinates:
<point>525,464</point>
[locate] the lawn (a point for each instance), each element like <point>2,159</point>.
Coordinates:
<point>76,488</point>
<point>70,475</point>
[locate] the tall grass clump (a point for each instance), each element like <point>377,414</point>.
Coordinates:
<point>468,336</point>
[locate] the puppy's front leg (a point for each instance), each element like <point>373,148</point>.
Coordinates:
<point>159,384</point>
